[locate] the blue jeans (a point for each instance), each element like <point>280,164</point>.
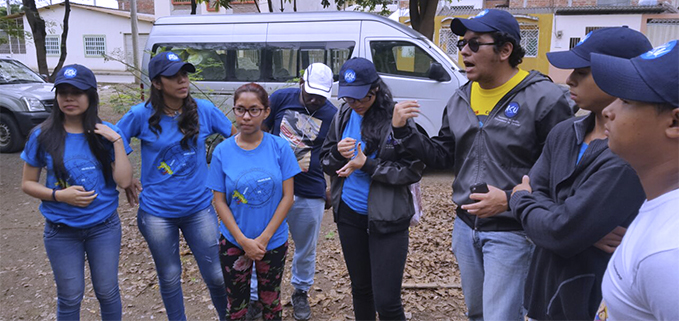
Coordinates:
<point>493,269</point>
<point>66,248</point>
<point>304,221</point>
<point>202,235</point>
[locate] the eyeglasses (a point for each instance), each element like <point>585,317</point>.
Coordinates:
<point>363,100</point>
<point>254,112</point>
<point>473,44</point>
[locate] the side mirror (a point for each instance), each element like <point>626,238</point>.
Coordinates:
<point>436,72</point>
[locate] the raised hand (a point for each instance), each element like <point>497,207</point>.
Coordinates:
<point>106,132</point>
<point>403,111</point>
<point>347,147</point>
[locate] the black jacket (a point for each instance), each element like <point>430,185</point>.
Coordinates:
<point>390,205</point>
<point>500,152</point>
<point>571,208</point>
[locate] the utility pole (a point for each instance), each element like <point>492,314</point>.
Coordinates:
<point>135,41</point>
<point>9,37</point>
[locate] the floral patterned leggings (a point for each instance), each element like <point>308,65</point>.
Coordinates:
<point>237,273</point>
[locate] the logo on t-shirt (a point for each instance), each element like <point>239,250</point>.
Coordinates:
<point>300,130</point>
<point>83,172</point>
<point>512,110</point>
<point>176,161</point>
<point>255,188</point>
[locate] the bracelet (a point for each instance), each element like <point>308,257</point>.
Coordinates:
<point>117,139</point>
<point>54,194</point>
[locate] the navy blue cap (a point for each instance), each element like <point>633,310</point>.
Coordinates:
<point>488,20</point>
<point>620,42</point>
<point>356,77</point>
<point>652,77</point>
<point>168,64</point>
<point>79,76</point>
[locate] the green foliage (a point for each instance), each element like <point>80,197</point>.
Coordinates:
<point>368,5</point>
<point>123,98</point>
<point>330,235</point>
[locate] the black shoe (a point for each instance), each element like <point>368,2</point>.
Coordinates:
<point>254,311</point>
<point>300,305</point>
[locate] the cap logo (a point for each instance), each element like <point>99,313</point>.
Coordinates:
<point>172,57</point>
<point>512,110</point>
<point>481,14</point>
<point>584,39</point>
<point>349,76</point>
<point>70,72</point>
<point>659,51</point>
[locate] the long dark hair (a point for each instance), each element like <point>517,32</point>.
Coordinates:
<point>377,117</point>
<point>188,120</point>
<point>52,136</point>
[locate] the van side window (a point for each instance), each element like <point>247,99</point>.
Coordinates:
<point>400,58</point>
<point>259,62</point>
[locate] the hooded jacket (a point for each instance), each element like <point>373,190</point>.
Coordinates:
<point>498,153</point>
<point>572,206</point>
<point>390,204</point>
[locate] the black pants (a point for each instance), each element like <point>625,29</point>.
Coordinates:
<point>375,263</point>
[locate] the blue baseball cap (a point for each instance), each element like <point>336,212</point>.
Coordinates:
<point>620,42</point>
<point>79,76</point>
<point>356,77</point>
<point>168,64</point>
<point>651,77</point>
<point>488,20</point>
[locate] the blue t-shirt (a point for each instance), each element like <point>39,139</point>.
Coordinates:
<point>252,181</point>
<point>83,169</point>
<point>172,178</point>
<point>305,131</point>
<point>356,186</point>
<point>583,148</point>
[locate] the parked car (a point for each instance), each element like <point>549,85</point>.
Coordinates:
<point>25,101</point>
<point>272,49</point>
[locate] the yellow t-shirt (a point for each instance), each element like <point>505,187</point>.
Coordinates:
<point>484,100</point>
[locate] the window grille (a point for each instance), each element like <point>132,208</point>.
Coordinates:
<point>448,42</point>
<point>573,42</point>
<point>52,45</point>
<point>590,29</point>
<point>181,1</point>
<point>95,45</point>
<point>529,39</point>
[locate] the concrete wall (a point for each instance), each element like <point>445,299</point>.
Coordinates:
<point>574,27</point>
<point>85,22</point>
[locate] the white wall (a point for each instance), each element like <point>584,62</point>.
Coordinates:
<point>85,22</point>
<point>574,26</point>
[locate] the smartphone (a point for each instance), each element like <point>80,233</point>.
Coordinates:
<point>479,188</point>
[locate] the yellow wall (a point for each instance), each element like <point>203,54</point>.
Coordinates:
<point>544,24</point>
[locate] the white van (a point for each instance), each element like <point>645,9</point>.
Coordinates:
<point>272,50</point>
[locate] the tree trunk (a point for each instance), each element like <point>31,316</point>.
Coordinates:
<point>294,5</point>
<point>422,15</point>
<point>257,5</point>
<point>270,3</point>
<point>38,30</point>
<point>282,6</point>
<point>64,35</point>
<point>193,6</point>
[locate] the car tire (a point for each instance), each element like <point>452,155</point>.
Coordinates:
<point>11,139</point>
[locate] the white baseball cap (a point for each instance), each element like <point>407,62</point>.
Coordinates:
<point>318,80</point>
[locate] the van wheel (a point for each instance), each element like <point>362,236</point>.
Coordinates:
<point>11,139</point>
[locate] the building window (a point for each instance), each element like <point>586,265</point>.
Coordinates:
<point>573,42</point>
<point>13,43</point>
<point>52,45</point>
<point>590,29</point>
<point>529,39</point>
<point>95,45</point>
<point>448,42</point>
<point>187,2</point>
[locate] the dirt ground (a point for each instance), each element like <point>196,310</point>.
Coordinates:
<point>431,279</point>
